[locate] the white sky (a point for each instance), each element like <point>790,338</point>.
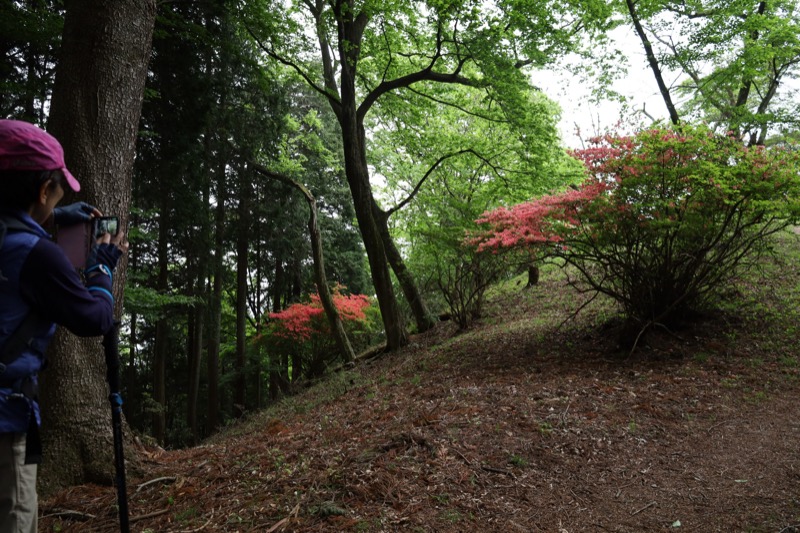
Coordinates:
<point>577,105</point>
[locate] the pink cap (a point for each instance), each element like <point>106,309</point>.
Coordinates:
<point>24,146</point>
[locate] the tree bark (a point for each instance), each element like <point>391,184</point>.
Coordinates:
<point>409,287</point>
<point>653,62</point>
<point>358,179</point>
<point>196,321</point>
<point>351,27</point>
<point>161,347</point>
<point>276,371</point>
<point>215,307</point>
<point>242,247</point>
<point>95,113</point>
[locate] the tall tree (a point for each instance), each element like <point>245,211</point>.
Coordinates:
<point>733,57</point>
<point>337,328</point>
<point>30,35</point>
<point>367,50</point>
<point>95,113</point>
<point>442,177</point>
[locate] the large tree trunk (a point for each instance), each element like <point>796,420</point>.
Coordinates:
<point>357,173</point>
<point>351,26</point>
<point>358,178</point>
<point>95,113</point>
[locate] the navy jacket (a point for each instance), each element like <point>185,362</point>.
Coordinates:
<point>35,274</point>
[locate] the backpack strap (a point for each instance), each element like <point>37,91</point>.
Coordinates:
<point>31,324</point>
<point>19,340</point>
<point>12,223</point>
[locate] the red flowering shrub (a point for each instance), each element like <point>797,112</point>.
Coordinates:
<point>303,329</point>
<point>300,322</point>
<point>662,222</point>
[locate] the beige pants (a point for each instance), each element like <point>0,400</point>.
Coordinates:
<point>18,501</point>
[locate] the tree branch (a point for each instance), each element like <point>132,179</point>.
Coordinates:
<point>653,61</point>
<point>332,98</point>
<point>326,300</point>
<point>426,74</point>
<point>417,188</point>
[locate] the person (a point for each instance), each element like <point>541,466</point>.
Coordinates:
<point>39,288</point>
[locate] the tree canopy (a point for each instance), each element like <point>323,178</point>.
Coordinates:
<point>734,60</point>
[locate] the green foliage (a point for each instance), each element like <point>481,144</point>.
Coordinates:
<point>31,36</point>
<point>734,57</point>
<point>457,165</point>
<point>152,304</point>
<point>664,220</point>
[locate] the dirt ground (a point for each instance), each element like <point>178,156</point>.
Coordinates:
<point>514,425</point>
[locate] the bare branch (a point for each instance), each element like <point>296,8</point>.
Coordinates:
<point>653,61</point>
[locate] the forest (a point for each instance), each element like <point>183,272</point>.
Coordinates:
<point>306,184</point>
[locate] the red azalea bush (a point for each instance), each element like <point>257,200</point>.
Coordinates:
<point>302,330</point>
<point>663,221</point>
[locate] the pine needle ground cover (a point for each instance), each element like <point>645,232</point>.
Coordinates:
<point>528,421</point>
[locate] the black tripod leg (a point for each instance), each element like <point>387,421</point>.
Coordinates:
<point>111,345</point>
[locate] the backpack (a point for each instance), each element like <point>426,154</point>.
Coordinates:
<point>26,331</point>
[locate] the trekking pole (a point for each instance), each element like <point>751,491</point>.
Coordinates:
<point>111,345</point>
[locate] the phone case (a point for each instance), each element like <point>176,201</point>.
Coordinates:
<point>75,240</point>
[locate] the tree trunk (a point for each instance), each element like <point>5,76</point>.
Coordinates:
<point>195,353</point>
<point>357,173</point>
<point>161,347</point>
<point>242,247</point>
<point>278,364</point>
<point>351,25</point>
<point>653,62</point>
<point>131,384</point>
<point>197,315</point>
<point>409,287</point>
<point>215,307</point>
<point>95,112</point>
<point>533,275</point>
<point>258,313</point>
<point>130,381</point>
<point>325,298</point>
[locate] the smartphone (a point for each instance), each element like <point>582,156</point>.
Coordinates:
<point>108,225</point>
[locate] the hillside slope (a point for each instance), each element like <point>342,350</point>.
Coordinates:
<point>514,425</point>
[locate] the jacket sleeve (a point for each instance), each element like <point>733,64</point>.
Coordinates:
<point>52,286</point>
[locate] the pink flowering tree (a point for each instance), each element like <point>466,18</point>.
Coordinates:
<point>302,331</point>
<point>664,220</point>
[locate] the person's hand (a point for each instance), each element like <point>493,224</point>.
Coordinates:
<point>120,240</point>
<point>106,252</point>
<point>72,214</point>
